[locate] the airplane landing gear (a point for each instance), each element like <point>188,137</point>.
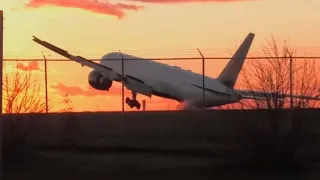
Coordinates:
<point>133,102</point>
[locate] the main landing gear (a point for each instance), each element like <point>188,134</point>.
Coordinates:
<point>133,102</point>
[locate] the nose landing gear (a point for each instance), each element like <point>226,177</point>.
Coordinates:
<point>133,102</point>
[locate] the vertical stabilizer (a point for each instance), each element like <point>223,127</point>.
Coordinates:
<point>230,73</point>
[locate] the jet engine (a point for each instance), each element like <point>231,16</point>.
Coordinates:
<point>98,81</point>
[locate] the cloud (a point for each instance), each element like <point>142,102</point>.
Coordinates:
<point>115,90</point>
<point>31,66</point>
<point>188,1</point>
<point>96,6</point>
<point>114,9</point>
<point>89,91</point>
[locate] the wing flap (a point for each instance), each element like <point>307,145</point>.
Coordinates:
<point>261,95</point>
<point>211,90</point>
<point>137,86</point>
<point>106,71</point>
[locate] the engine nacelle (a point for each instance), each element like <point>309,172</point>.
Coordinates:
<point>98,81</point>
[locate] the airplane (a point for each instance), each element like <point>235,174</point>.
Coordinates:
<point>148,77</point>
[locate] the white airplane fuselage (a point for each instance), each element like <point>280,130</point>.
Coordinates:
<point>170,81</point>
<point>148,77</point>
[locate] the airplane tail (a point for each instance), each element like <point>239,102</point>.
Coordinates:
<point>230,73</point>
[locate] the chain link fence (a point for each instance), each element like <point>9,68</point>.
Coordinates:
<point>61,85</point>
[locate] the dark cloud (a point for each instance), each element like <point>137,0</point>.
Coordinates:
<point>189,1</point>
<point>89,91</point>
<point>114,9</point>
<point>101,7</point>
<point>115,90</point>
<point>31,66</point>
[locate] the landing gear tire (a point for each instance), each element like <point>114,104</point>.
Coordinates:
<point>138,105</point>
<point>128,100</point>
<point>133,102</point>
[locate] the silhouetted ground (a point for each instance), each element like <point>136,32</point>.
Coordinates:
<point>164,145</point>
<point>128,165</point>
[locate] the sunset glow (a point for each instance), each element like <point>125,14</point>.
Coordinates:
<point>145,28</point>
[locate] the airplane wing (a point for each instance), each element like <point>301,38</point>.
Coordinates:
<point>261,95</point>
<point>130,82</point>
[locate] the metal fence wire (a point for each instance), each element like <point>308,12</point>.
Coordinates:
<point>292,70</point>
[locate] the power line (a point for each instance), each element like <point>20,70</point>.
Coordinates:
<point>178,50</point>
<point>168,51</point>
<point>183,58</point>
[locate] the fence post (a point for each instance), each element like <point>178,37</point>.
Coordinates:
<point>291,89</point>
<point>1,68</point>
<point>291,79</point>
<point>122,94</point>
<point>203,79</point>
<point>46,80</point>
<point>144,103</point>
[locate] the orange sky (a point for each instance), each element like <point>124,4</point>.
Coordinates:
<point>148,28</point>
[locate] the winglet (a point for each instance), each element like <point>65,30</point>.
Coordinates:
<point>51,47</point>
<point>35,39</point>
